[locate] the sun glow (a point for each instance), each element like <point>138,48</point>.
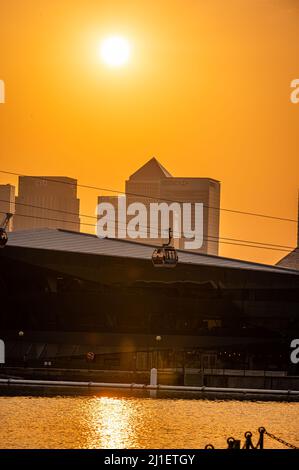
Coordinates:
<point>115,51</point>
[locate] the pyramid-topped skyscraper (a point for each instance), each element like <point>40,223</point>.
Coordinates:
<point>153,183</point>
<point>151,170</point>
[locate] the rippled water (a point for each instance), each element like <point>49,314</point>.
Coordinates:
<point>111,420</point>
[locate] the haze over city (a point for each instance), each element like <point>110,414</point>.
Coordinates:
<point>206,91</point>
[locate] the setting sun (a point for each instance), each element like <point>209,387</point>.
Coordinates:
<point>115,51</point>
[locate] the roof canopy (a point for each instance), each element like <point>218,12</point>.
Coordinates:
<point>76,242</point>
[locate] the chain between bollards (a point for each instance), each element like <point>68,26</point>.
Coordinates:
<point>233,443</point>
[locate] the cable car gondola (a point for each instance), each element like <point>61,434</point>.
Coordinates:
<point>165,256</point>
<point>3,238</point>
<point>3,234</point>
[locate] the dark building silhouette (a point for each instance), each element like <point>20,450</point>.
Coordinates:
<point>71,293</point>
<point>47,201</point>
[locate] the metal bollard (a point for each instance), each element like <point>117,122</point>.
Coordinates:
<point>154,377</point>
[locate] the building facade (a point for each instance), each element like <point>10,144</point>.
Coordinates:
<point>152,183</point>
<point>7,203</point>
<point>47,201</point>
<point>72,293</point>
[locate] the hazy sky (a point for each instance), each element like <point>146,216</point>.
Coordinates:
<point>206,91</point>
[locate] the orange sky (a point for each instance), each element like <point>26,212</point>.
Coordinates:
<point>207,91</point>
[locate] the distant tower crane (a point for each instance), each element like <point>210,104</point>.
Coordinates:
<point>3,233</point>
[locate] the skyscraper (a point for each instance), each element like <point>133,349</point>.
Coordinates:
<point>7,203</point>
<point>153,183</point>
<point>47,201</point>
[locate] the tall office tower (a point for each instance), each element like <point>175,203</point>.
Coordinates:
<point>7,203</point>
<point>145,186</point>
<point>152,183</point>
<point>197,190</point>
<point>47,201</point>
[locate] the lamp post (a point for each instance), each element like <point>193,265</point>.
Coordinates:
<point>21,335</point>
<point>154,370</point>
<point>184,365</point>
<point>158,339</point>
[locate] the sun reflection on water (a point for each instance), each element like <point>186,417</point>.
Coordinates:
<point>114,419</point>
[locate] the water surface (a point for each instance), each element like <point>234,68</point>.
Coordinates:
<point>114,420</point>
